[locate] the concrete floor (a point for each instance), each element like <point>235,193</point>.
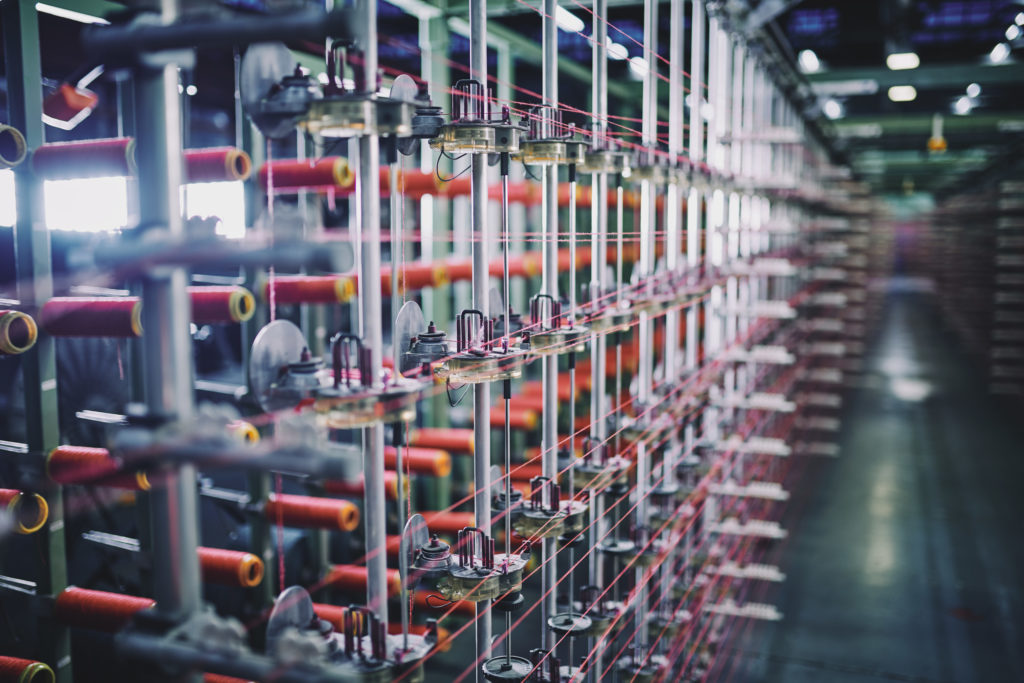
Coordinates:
<point>907,560</point>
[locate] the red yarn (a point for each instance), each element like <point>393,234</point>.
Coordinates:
<point>92,316</point>
<point>98,610</point>
<point>312,513</point>
<point>13,668</point>
<point>230,567</point>
<point>216,164</point>
<point>81,464</point>
<point>85,159</point>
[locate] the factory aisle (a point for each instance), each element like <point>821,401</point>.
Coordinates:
<point>908,560</point>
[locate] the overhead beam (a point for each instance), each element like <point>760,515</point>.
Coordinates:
<point>877,127</point>
<point>838,81</point>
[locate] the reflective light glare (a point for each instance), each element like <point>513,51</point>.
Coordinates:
<point>899,61</point>
<point>638,65</point>
<point>963,105</point>
<point>69,14</point>
<point>64,203</point>
<point>808,61</point>
<point>999,53</point>
<point>191,90</point>
<point>7,207</point>
<point>1019,20</point>
<point>1013,32</point>
<point>567,21</point>
<point>224,200</point>
<point>973,90</point>
<point>832,109</point>
<point>902,93</point>
<point>615,50</point>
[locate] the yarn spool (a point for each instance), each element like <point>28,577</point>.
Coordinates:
<point>451,440</point>
<point>299,174</point>
<point>308,512</point>
<point>97,610</point>
<point>217,678</point>
<point>18,332</point>
<point>311,289</point>
<point>221,304</point>
<point>352,578</point>
<point>216,164</point>
<point>17,670</point>
<point>92,317</point>
<point>230,567</point>
<point>434,462</point>
<point>357,487</point>
<point>13,148</point>
<point>28,510</point>
<point>82,464</point>
<point>85,159</point>
<point>449,522</point>
<point>519,418</point>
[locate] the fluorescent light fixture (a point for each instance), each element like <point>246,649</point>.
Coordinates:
<point>999,53</point>
<point>973,90</point>
<point>900,61</point>
<point>615,50</point>
<point>832,109</point>
<point>808,61</point>
<point>567,21</point>
<point>71,14</point>
<point>638,65</point>
<point>962,105</point>
<point>902,93</point>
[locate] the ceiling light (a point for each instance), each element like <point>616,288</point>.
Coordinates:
<point>191,90</point>
<point>902,93</point>
<point>808,62</point>
<point>69,14</point>
<point>832,109</point>
<point>899,61</point>
<point>1019,20</point>
<point>962,105</point>
<point>567,21</point>
<point>638,65</point>
<point>615,50</point>
<point>999,53</point>
<point>1013,32</point>
<point>973,90</point>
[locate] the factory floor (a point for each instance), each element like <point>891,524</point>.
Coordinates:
<point>906,553</point>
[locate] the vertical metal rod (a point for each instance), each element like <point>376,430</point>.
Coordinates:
<point>481,297</point>
<point>368,211</point>
<point>648,219</point>
<point>19,22</point>
<point>549,376</point>
<point>695,199</point>
<point>598,289</point>
<point>507,389</point>
<point>167,346</point>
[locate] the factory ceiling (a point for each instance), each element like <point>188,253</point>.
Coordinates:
<point>967,51</point>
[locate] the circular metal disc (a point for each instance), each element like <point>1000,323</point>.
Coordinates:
<point>404,88</point>
<point>408,323</point>
<point>277,345</point>
<point>292,609</point>
<point>511,669</point>
<point>263,66</point>
<point>414,536</point>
